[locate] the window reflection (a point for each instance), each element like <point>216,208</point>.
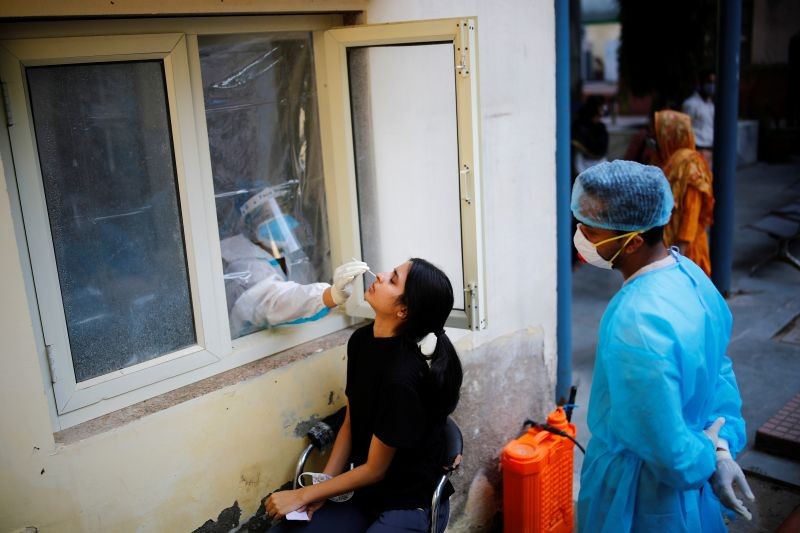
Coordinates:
<point>105,152</point>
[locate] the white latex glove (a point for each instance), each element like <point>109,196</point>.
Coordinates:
<point>343,277</point>
<point>722,481</point>
<point>712,431</point>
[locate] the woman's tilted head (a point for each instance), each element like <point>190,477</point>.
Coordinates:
<point>385,295</point>
<point>428,298</point>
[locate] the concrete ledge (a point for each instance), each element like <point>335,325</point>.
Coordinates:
<point>219,381</point>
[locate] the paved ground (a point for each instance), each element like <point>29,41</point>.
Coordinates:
<point>767,368</point>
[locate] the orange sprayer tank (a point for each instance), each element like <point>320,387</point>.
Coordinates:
<point>537,480</point>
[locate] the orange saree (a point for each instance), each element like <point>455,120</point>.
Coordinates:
<point>691,182</point>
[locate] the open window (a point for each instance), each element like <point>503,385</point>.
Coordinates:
<point>400,132</point>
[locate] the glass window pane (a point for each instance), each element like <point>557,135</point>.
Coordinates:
<point>263,134</point>
<point>105,151</point>
<point>403,103</point>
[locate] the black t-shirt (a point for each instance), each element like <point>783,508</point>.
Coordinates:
<point>386,389</point>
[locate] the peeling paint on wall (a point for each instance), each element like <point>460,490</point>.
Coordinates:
<point>226,521</point>
<point>259,522</point>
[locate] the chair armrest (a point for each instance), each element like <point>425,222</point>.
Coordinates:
<point>437,496</point>
<point>301,464</point>
<point>454,444</point>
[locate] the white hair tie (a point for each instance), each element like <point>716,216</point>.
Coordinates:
<point>428,344</point>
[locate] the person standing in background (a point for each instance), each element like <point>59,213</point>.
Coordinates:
<point>589,135</point>
<point>700,108</point>
<point>589,142</point>
<point>690,179</point>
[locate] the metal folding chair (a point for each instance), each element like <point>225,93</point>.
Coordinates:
<point>454,447</point>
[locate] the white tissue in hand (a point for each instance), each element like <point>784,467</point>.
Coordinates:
<point>297,515</point>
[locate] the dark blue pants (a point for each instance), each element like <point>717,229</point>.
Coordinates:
<point>346,517</point>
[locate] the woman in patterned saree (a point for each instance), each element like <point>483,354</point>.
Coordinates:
<point>691,182</point>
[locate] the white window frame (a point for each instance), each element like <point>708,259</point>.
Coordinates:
<point>338,147</point>
<point>171,49</point>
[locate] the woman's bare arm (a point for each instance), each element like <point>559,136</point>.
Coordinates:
<point>337,462</point>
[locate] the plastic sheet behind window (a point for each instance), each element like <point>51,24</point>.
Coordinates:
<point>263,132</point>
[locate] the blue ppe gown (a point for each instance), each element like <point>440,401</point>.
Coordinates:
<point>661,376</point>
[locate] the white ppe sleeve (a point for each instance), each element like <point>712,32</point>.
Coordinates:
<point>275,301</point>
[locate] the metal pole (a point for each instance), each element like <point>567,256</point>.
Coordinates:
<point>563,214</point>
<point>726,113</point>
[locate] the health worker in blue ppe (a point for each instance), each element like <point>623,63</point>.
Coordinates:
<point>665,410</point>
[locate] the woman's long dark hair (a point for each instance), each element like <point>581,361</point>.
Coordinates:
<point>428,297</point>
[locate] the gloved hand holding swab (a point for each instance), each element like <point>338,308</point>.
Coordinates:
<point>368,270</point>
<point>343,277</point>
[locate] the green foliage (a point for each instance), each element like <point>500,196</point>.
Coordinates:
<point>664,44</point>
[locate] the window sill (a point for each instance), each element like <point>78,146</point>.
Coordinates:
<point>225,379</point>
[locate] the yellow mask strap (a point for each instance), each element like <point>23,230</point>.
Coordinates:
<point>631,235</point>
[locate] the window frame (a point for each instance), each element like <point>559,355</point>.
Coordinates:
<point>170,48</point>
<point>339,156</point>
<point>175,41</point>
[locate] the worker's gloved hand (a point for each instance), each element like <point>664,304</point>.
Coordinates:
<point>343,277</point>
<point>712,431</point>
<point>728,472</point>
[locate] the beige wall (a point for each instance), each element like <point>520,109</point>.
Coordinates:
<point>173,470</point>
<point>169,471</point>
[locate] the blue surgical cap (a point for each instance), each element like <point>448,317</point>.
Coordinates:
<point>622,196</point>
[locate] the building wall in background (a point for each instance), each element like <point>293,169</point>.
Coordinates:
<point>774,24</point>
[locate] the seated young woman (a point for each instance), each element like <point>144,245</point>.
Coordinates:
<point>403,380</point>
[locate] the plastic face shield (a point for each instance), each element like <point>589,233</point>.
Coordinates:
<point>269,224</point>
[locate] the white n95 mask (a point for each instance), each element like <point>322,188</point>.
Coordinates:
<point>587,250</point>
<point>318,477</point>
